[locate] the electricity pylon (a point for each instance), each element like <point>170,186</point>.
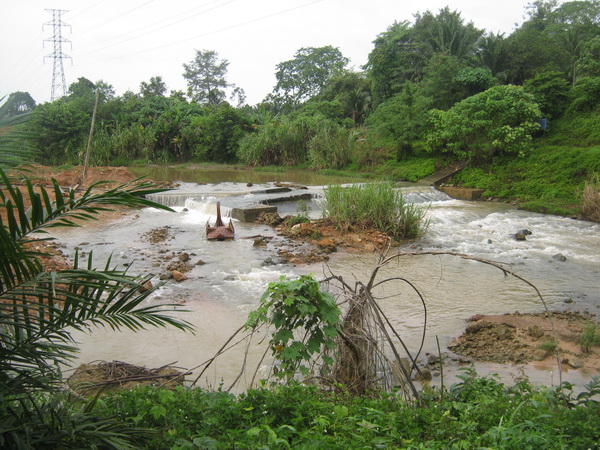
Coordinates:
<point>58,73</point>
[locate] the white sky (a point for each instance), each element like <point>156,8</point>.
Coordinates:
<point>129,41</point>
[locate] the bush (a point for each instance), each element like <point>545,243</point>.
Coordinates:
<point>477,412</point>
<point>498,121</point>
<point>282,142</point>
<point>374,205</point>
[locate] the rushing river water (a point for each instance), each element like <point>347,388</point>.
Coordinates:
<point>219,294</point>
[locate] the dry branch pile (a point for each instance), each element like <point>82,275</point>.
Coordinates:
<point>102,376</point>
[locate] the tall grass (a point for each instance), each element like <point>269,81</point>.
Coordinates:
<point>123,144</point>
<point>331,147</point>
<point>590,201</point>
<point>374,206</point>
<point>283,142</point>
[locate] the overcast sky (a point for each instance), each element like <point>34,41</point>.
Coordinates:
<point>125,42</point>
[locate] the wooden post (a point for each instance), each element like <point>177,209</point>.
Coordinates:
<point>89,144</point>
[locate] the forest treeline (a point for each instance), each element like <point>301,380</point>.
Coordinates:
<point>436,89</point>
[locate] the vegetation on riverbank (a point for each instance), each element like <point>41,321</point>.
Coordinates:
<point>477,412</point>
<point>434,91</point>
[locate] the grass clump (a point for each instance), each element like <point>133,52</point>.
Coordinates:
<point>374,206</point>
<point>590,337</point>
<point>302,211</point>
<point>548,345</point>
<point>590,201</point>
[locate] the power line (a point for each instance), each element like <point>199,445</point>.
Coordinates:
<point>258,19</point>
<point>87,9</point>
<point>58,72</point>
<point>112,19</point>
<point>187,17</point>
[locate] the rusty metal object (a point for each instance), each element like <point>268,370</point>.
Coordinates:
<point>220,232</point>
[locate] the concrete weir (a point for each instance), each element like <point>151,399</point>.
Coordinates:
<point>251,213</point>
<point>243,205</point>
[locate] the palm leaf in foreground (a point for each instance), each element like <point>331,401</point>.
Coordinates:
<point>35,306</point>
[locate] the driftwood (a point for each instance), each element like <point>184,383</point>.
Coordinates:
<point>219,232</point>
<point>99,376</point>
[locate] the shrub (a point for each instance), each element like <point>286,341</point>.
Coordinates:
<point>589,338</point>
<point>548,345</point>
<point>590,201</point>
<point>374,205</point>
<point>282,142</point>
<point>498,121</point>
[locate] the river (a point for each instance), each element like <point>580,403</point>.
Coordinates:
<point>219,294</point>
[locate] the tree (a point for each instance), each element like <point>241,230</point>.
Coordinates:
<point>399,122</point>
<point>205,76</point>
<point>499,120</point>
<point>352,90</point>
<point>17,103</point>
<point>395,59</point>
<point>153,88</point>
<point>492,54</point>
<point>472,80</point>
<point>439,80</point>
<point>589,60</point>
<point>551,92</point>
<point>307,74</point>
<point>447,33</point>
<point>219,134</point>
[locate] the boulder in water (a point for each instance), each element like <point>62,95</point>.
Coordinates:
<point>559,257</point>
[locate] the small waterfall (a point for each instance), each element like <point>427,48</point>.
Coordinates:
<point>173,199</point>
<point>423,194</point>
<point>207,206</point>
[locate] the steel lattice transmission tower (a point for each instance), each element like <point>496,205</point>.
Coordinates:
<point>58,72</point>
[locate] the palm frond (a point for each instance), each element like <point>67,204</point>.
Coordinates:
<point>16,146</point>
<point>34,209</point>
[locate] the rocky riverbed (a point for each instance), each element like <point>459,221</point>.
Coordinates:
<point>507,339</point>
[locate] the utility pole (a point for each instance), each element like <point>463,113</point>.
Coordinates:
<point>58,73</point>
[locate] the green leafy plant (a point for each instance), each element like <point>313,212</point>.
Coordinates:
<point>477,412</point>
<point>305,322</point>
<point>499,120</point>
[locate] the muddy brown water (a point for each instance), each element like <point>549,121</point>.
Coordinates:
<point>218,295</point>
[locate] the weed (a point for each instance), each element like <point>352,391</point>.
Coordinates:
<point>590,201</point>
<point>374,205</point>
<point>478,412</point>
<point>590,337</point>
<point>548,345</point>
<point>302,211</point>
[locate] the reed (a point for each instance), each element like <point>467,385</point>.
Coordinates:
<point>590,201</point>
<point>374,206</point>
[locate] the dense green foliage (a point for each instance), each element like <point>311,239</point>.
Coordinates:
<point>499,120</point>
<point>549,180</point>
<point>374,205</point>
<point>477,412</point>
